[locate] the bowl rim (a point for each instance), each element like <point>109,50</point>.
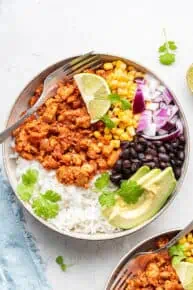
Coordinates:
<point>134,249</point>
<point>122,233</point>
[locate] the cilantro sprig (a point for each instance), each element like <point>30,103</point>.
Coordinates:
<point>26,186</point>
<point>107,121</point>
<point>167,55</point>
<point>177,253</point>
<point>60,262</point>
<point>115,98</point>
<point>129,190</point>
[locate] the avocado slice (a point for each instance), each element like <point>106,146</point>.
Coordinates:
<point>140,173</point>
<point>158,187</point>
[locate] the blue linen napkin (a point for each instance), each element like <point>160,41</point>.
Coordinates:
<point>21,267</point>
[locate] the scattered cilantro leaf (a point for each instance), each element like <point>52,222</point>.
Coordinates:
<point>125,105</point>
<point>102,181</point>
<point>115,98</point>
<point>107,199</point>
<point>60,262</point>
<point>166,56</point>
<point>108,122</point>
<point>24,191</point>
<point>52,196</point>
<point>30,177</point>
<point>130,191</point>
<point>45,208</point>
<point>177,253</point>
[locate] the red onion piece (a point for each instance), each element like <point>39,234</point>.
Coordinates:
<point>139,102</point>
<point>144,121</point>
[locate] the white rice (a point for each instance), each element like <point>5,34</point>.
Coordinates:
<point>79,208</point>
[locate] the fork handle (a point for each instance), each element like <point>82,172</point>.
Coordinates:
<point>181,234</point>
<point>7,132</point>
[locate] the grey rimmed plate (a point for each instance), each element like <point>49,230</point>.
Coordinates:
<point>20,105</point>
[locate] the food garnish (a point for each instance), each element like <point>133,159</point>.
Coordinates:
<point>130,191</point>
<point>102,181</point>
<point>44,207</point>
<point>60,262</point>
<point>26,186</point>
<point>107,198</point>
<point>115,98</point>
<point>167,57</point>
<point>30,177</point>
<point>177,253</point>
<point>107,121</point>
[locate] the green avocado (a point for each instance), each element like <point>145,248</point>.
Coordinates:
<point>142,171</point>
<point>158,186</point>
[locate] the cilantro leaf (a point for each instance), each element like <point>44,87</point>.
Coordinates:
<point>114,98</point>
<point>30,177</point>
<point>52,196</point>
<point>45,208</point>
<point>177,259</point>
<point>177,253</point>
<point>24,191</point>
<point>162,48</point>
<point>167,58</point>
<point>102,181</point>
<point>130,191</point>
<point>60,262</point>
<point>172,45</point>
<point>108,122</point>
<point>107,199</point>
<point>125,105</point>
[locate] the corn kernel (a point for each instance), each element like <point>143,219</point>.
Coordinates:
<point>122,92</point>
<point>126,119</point>
<point>114,84</point>
<point>189,238</point>
<point>182,240</point>
<point>116,137</point>
<point>113,130</point>
<point>110,114</point>
<point>108,66</point>
<point>120,114</point>
<point>139,74</point>
<point>106,130</point>
<point>130,77</point>
<point>133,72</point>
<point>115,143</point>
<point>122,85</point>
<point>131,131</point>
<point>115,120</point>
<point>119,131</point>
<point>188,254</point>
<point>97,134</point>
<point>190,260</point>
<point>130,67</point>
<point>121,64</point>
<point>108,137</point>
<point>122,125</point>
<point>137,117</point>
<point>124,137</point>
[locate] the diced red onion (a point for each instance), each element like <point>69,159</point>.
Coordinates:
<point>150,130</point>
<point>167,97</point>
<point>139,80</point>
<point>144,121</point>
<point>160,117</point>
<point>172,110</point>
<point>139,102</point>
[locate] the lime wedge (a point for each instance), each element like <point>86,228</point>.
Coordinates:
<point>94,90</point>
<point>185,273</point>
<point>189,77</point>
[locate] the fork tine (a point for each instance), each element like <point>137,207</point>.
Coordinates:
<point>93,65</point>
<point>85,63</point>
<point>121,278</point>
<point>77,60</point>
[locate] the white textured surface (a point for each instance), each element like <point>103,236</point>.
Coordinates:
<point>36,33</point>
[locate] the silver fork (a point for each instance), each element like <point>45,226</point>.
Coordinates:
<point>74,66</point>
<point>141,259</point>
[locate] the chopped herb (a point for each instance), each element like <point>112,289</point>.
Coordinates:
<point>115,98</point>
<point>166,56</point>
<point>24,191</point>
<point>107,199</point>
<point>30,177</point>
<point>45,208</point>
<point>130,191</point>
<point>52,196</point>
<point>60,262</point>
<point>108,122</point>
<point>177,253</point>
<point>102,181</point>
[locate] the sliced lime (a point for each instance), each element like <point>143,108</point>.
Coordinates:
<point>185,273</point>
<point>189,77</point>
<point>94,90</point>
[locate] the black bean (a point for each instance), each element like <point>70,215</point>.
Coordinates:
<point>142,140</point>
<point>182,139</point>
<point>132,144</point>
<point>163,157</point>
<point>181,147</point>
<point>126,172</point>
<point>177,172</point>
<point>125,144</point>
<point>175,144</point>
<point>148,157</point>
<point>172,155</point>
<point>163,165</point>
<point>139,148</point>
<point>133,152</point>
<point>158,143</point>
<point>126,164</point>
<point>116,178</point>
<point>179,162</point>
<point>181,155</point>
<point>162,149</point>
<point>125,154</point>
<point>168,146</point>
<point>151,151</point>
<point>150,144</point>
<point>134,167</point>
<point>150,164</point>
<point>173,162</point>
<point>141,156</point>
<point>118,165</point>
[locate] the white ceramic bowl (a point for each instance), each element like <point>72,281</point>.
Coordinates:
<point>21,105</point>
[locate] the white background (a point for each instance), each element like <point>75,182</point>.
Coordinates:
<point>37,33</point>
